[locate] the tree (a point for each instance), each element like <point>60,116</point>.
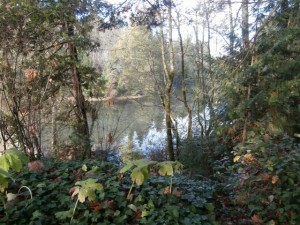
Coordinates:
<point>183,76</point>
<point>43,56</point>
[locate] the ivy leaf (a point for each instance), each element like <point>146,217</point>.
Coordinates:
<point>132,207</point>
<point>64,214</point>
<point>210,207</point>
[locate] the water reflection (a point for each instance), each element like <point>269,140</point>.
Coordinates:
<point>134,126</point>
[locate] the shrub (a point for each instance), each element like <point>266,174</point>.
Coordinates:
<point>268,178</point>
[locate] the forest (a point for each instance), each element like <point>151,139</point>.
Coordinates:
<point>158,112</point>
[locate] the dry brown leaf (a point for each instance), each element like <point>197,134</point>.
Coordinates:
<point>30,74</point>
<point>73,191</point>
<point>257,220</point>
<point>266,177</point>
<point>36,166</point>
<point>110,204</point>
<point>95,206</point>
<point>137,214</point>
<point>167,190</point>
<point>8,7</point>
<point>275,179</point>
<point>176,192</point>
<point>249,158</point>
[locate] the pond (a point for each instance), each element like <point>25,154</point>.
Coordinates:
<point>133,125</point>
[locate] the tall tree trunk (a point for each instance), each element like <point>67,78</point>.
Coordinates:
<point>246,44</point>
<point>211,96</point>
<point>245,23</point>
<point>80,109</point>
<point>169,76</point>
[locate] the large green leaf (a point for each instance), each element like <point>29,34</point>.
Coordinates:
<point>137,176</point>
<point>166,168</point>
<point>87,189</point>
<point>4,164</point>
<point>82,194</point>
<point>4,173</point>
<point>143,162</point>
<point>127,167</point>
<point>3,184</point>
<point>14,161</point>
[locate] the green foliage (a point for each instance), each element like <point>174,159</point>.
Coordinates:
<point>268,177</point>
<point>140,170</point>
<point>13,159</point>
<point>201,156</point>
<point>86,189</point>
<point>169,168</point>
<point>192,203</point>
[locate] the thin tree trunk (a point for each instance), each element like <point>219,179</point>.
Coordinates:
<point>231,28</point>
<point>54,149</point>
<point>247,116</point>
<point>183,83</point>
<point>245,23</point>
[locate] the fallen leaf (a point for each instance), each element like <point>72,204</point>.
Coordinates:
<point>137,214</point>
<point>95,206</point>
<point>249,158</point>
<point>256,219</point>
<point>110,204</point>
<point>267,177</point>
<point>11,196</point>
<point>236,158</point>
<point>36,166</point>
<point>275,179</point>
<point>30,74</point>
<point>167,190</point>
<point>176,192</point>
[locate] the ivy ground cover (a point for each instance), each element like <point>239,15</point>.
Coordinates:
<point>91,192</point>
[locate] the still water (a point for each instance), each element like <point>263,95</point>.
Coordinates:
<point>132,125</point>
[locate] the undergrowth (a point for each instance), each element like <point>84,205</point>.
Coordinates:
<point>53,200</point>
